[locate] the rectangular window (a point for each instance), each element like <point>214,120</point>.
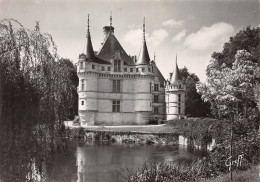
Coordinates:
<point>152,68</point>
<point>81,65</point>
<point>150,87</point>
<point>125,70</point>
<point>117,65</point>
<point>156,98</point>
<point>93,66</point>
<point>108,68</point>
<point>82,84</point>
<point>179,98</point>
<point>143,69</point>
<point>156,87</point>
<point>131,69</point>
<point>82,103</point>
<point>116,86</point>
<point>179,108</point>
<point>155,110</point>
<point>103,68</point>
<point>136,69</point>
<point>149,69</point>
<point>116,106</point>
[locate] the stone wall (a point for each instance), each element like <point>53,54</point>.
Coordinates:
<point>125,137</point>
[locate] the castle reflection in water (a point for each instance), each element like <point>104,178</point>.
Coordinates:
<point>102,162</point>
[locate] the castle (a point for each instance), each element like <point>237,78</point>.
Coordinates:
<point>118,89</point>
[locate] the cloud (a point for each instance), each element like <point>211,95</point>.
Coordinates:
<point>157,37</point>
<point>173,23</point>
<point>132,26</point>
<point>179,36</point>
<point>210,38</point>
<point>133,39</point>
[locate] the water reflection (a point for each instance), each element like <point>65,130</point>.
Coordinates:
<point>29,160</point>
<point>100,162</point>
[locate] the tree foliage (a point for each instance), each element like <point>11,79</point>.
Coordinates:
<point>74,80</point>
<point>194,105</point>
<point>247,39</point>
<point>36,93</point>
<point>32,77</point>
<point>223,69</point>
<point>231,90</point>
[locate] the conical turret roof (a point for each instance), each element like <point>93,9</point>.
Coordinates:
<point>176,76</point>
<point>90,54</point>
<point>143,57</point>
<point>89,48</point>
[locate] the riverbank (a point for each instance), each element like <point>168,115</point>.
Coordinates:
<point>162,128</point>
<point>250,175</point>
<point>141,135</point>
<point>197,171</point>
<point>193,132</point>
<point>183,132</point>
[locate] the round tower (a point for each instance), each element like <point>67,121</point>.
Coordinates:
<point>87,89</point>
<point>143,100</point>
<point>175,95</point>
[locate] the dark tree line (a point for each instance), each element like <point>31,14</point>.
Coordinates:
<point>194,105</point>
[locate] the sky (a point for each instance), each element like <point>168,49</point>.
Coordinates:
<point>192,29</point>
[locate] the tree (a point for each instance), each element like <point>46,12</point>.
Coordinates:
<point>247,39</point>
<point>230,88</point>
<point>36,91</point>
<point>195,107</point>
<point>72,72</point>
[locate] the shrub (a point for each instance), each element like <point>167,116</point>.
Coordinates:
<point>168,172</point>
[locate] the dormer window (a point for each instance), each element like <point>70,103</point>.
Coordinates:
<point>81,65</point>
<point>117,65</point>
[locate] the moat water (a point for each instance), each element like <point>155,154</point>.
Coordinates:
<point>103,162</point>
<point>89,162</point>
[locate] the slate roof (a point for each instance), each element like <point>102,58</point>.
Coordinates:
<point>176,76</point>
<point>89,48</point>
<point>143,57</point>
<point>158,73</point>
<point>90,55</point>
<point>110,45</point>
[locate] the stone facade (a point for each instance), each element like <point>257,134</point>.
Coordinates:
<point>118,89</point>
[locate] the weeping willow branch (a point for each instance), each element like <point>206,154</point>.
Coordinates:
<point>35,87</point>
